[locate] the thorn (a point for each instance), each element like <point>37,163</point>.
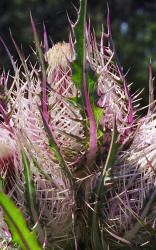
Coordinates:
<point>45,46</point>
<point>151,90</point>
<point>102,41</point>
<point>70,22</point>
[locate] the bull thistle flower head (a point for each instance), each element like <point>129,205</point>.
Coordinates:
<point>72,157</point>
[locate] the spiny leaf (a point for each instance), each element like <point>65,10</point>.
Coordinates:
<point>17,225</point>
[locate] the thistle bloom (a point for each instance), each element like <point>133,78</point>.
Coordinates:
<point>26,130</point>
<point>57,142</point>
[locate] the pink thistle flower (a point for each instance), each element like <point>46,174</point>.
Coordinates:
<point>24,129</point>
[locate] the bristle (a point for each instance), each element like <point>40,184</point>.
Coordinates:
<point>46,47</point>
<point>9,54</point>
<point>151,90</point>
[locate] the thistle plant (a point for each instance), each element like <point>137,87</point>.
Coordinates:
<point>77,163</point>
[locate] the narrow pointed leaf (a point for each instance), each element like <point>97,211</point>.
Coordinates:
<point>29,185</point>
<point>17,225</point>
<point>30,196</point>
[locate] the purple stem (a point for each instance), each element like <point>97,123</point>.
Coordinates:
<point>92,123</point>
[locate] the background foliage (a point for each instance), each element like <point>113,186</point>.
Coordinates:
<point>133,25</point>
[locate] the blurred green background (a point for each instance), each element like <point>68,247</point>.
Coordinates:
<point>133,24</point>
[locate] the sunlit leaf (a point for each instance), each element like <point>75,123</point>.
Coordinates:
<point>17,225</point>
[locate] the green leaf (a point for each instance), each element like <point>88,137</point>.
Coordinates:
<point>111,157</point>
<point>30,195</point>
<point>29,184</point>
<point>17,225</point>
<point>93,97</point>
<point>1,183</point>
